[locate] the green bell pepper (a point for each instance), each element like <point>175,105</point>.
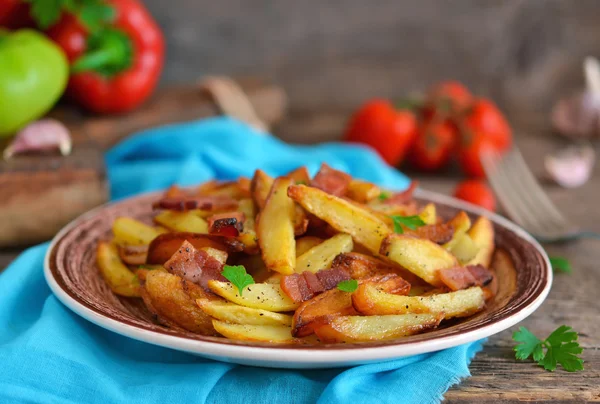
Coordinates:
<point>33,75</point>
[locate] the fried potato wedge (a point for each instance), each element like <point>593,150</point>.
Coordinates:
<point>276,229</point>
<point>175,299</point>
<point>264,296</point>
<point>143,271</point>
<point>461,223</point>
<point>187,221</point>
<point>429,214</point>
<point>369,300</point>
<point>236,314</point>
<point>465,249</point>
<point>163,247</point>
<point>259,333</point>
<point>346,217</point>
<point>303,244</point>
<point>119,278</point>
<point>133,232</point>
<point>337,302</point>
<point>482,234</point>
<point>374,328</point>
<point>231,189</point>
<point>255,267</point>
<point>421,257</point>
<point>322,255</point>
<point>260,186</point>
<point>133,254</point>
<point>362,191</point>
<point>299,175</point>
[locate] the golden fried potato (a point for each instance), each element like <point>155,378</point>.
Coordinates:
<point>175,299</point>
<point>303,244</point>
<point>182,221</point>
<point>119,278</point>
<point>133,232</point>
<point>369,300</point>
<point>421,257</point>
<point>263,296</point>
<point>259,333</point>
<point>482,234</point>
<point>374,328</point>
<point>234,313</point>
<point>331,302</point>
<point>299,175</point>
<point>345,217</point>
<point>362,191</point>
<point>429,214</point>
<point>276,229</point>
<point>260,187</point>
<point>465,249</point>
<point>133,254</point>
<point>233,189</point>
<point>321,256</point>
<point>164,246</point>
<point>256,267</point>
<point>460,223</point>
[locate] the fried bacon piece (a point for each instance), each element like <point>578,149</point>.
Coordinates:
<point>164,246</point>
<point>361,266</point>
<point>302,287</point>
<point>184,203</point>
<point>196,266</point>
<point>229,224</point>
<point>332,181</point>
<point>458,278</point>
<point>404,197</point>
<point>438,233</point>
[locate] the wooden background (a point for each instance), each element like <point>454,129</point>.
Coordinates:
<point>334,54</point>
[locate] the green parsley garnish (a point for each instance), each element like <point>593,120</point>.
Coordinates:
<point>348,286</point>
<point>236,274</point>
<point>560,264</point>
<point>383,196</point>
<point>560,347</point>
<point>412,222</point>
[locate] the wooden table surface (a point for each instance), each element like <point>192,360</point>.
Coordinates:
<point>574,299</point>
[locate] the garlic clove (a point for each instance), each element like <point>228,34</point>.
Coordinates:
<point>571,167</point>
<point>38,136</point>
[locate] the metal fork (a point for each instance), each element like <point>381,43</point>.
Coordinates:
<point>525,201</point>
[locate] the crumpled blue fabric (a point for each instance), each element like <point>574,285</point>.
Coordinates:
<point>48,354</point>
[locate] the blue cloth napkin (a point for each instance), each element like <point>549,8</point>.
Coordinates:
<point>50,355</point>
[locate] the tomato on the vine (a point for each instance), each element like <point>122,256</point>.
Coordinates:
<point>450,97</point>
<point>484,117</point>
<point>388,130</point>
<point>434,145</point>
<point>476,192</point>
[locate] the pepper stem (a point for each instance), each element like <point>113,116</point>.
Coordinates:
<point>109,52</point>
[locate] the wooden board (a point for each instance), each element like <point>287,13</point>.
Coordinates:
<point>40,194</point>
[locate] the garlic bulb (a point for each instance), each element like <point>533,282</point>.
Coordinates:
<point>42,135</point>
<point>571,167</point>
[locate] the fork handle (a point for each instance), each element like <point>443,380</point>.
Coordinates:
<point>587,234</point>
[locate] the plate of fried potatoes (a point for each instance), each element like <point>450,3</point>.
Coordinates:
<point>298,271</point>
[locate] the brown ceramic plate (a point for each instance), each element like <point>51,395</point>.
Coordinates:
<point>522,267</point>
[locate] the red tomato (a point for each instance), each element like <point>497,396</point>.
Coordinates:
<point>434,144</point>
<point>477,193</point>
<point>387,130</point>
<point>449,97</point>
<point>469,154</point>
<point>485,118</point>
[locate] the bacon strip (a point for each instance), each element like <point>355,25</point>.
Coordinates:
<point>458,278</point>
<point>184,203</point>
<point>305,286</point>
<point>229,224</point>
<point>438,233</point>
<point>196,266</point>
<point>361,266</point>
<point>167,244</point>
<point>332,181</point>
<point>400,198</point>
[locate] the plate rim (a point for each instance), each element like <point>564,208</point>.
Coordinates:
<point>306,357</point>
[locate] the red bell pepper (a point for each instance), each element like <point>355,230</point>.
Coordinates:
<point>115,68</point>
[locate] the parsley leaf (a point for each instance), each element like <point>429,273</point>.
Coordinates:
<point>561,348</point>
<point>93,14</point>
<point>412,222</point>
<point>383,196</point>
<point>348,286</point>
<point>560,264</point>
<point>236,274</point>
<point>300,182</point>
<point>47,12</point>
